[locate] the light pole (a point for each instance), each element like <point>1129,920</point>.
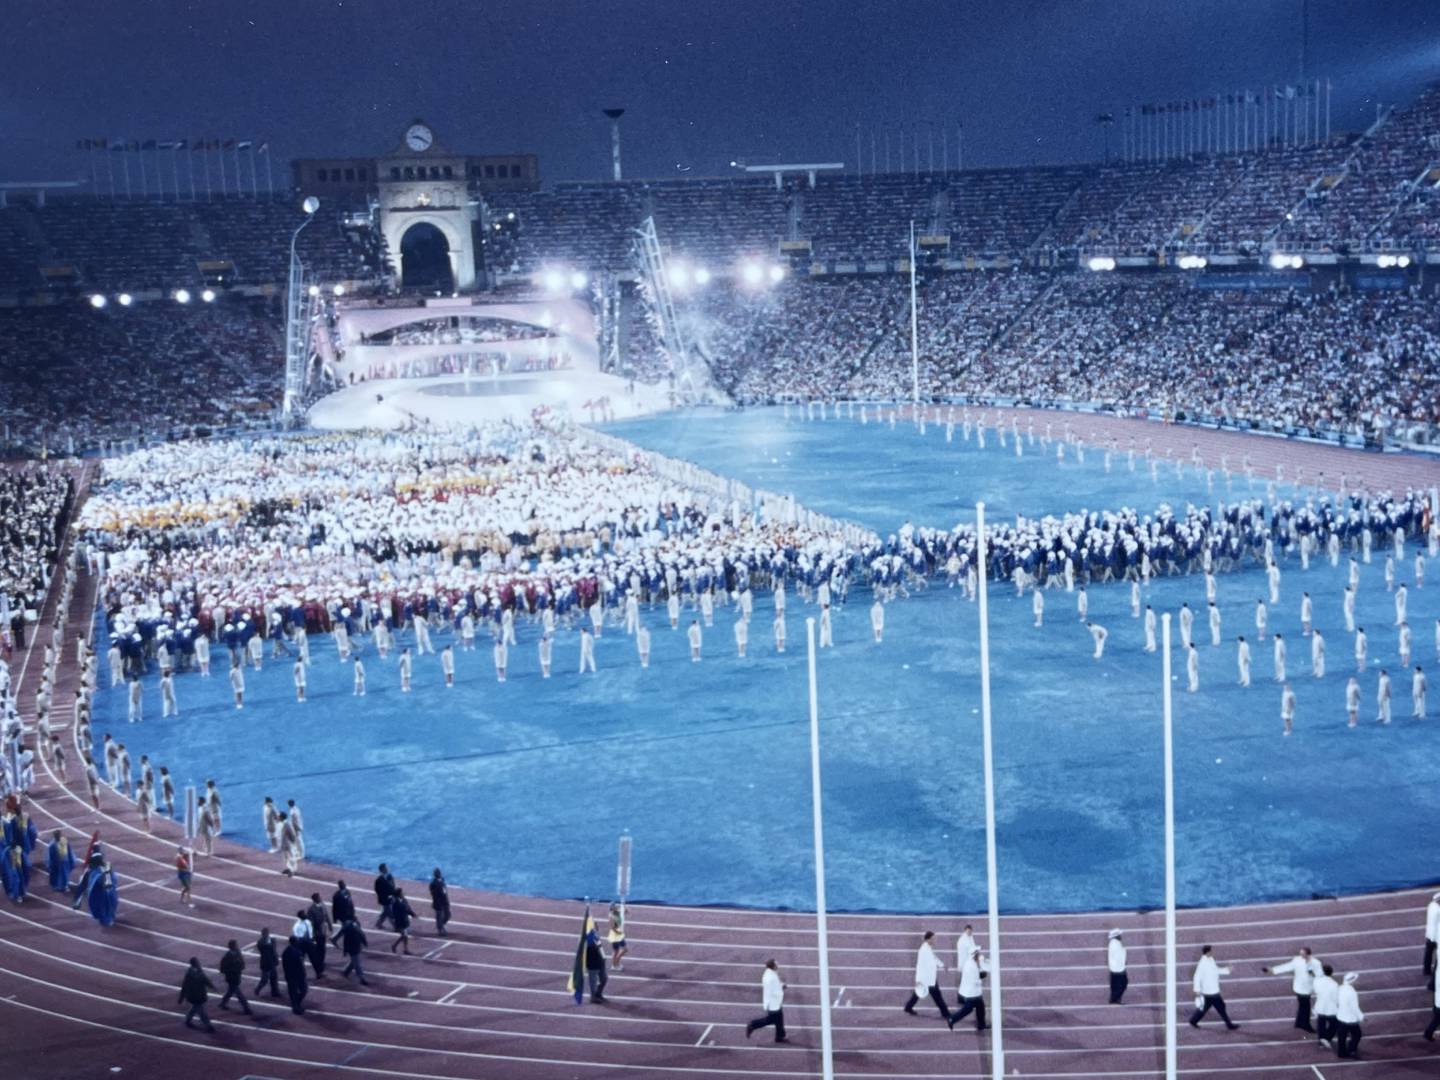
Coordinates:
<point>997,1033</point>
<point>1170,974</point>
<point>614,115</point>
<point>914,327</point>
<point>827,1049</point>
<point>295,321</point>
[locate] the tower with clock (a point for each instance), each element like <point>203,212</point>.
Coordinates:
<point>423,192</point>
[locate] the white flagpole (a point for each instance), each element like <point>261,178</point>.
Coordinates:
<point>914,326</point>
<point>827,1048</point>
<point>1171,1007</point>
<point>997,1043</point>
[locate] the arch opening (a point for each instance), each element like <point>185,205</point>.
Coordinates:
<point>425,259</point>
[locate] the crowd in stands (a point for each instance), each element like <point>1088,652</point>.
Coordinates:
<point>1329,360</point>
<point>33,503</point>
<point>97,244</point>
<point>73,378</point>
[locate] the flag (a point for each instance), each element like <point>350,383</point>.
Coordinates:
<point>244,144</point>
<point>576,985</point>
<point>180,144</point>
<point>263,148</point>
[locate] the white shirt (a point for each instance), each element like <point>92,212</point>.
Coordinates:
<point>1207,976</point>
<point>1432,921</point>
<point>1306,972</point>
<point>1117,956</point>
<point>970,984</point>
<point>772,991</point>
<point>1348,1010</point>
<point>1327,995</point>
<point>927,967</point>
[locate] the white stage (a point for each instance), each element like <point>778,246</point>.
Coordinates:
<point>457,399</point>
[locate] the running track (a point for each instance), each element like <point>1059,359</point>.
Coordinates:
<point>77,1000</point>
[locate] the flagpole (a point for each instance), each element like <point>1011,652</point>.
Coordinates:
<point>827,1049</point>
<point>1171,1006</point>
<point>914,327</point>
<point>997,1042</point>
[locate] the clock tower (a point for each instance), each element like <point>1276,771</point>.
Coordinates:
<point>423,191</point>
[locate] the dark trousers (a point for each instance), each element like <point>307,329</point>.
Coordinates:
<point>1434,1022</point>
<point>353,965</point>
<point>384,914</point>
<point>936,997</point>
<point>233,989</point>
<point>317,955</point>
<point>442,916</point>
<point>268,975</point>
<point>969,1005</point>
<point>197,1009</point>
<point>1348,1042</point>
<point>1212,1001</point>
<point>598,979</point>
<point>1428,964</point>
<point>1119,980</point>
<point>297,997</point>
<point>1302,1013</point>
<point>1325,1026</point>
<point>774,1019</point>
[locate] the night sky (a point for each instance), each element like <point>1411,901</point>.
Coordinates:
<point>703,83</point>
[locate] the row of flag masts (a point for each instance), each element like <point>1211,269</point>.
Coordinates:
<point>168,168</point>
<point>910,148</point>
<point>1246,120</point>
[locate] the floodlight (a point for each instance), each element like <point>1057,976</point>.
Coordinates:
<point>578,280</point>
<point>1101,263</point>
<point>182,296</point>
<point>314,290</point>
<point>1279,261</point>
<point>1296,262</point>
<point>553,280</point>
<point>97,301</point>
<point>310,205</point>
<point>339,290</point>
<point>702,276</point>
<point>1403,261</point>
<point>752,273</point>
<point>679,275</point>
<point>777,274</point>
<point>208,296</point>
<point>125,299</point>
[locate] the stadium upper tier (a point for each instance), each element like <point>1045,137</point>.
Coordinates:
<point>1352,193</point>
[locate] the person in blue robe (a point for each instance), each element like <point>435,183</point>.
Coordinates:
<point>60,861</point>
<point>104,896</point>
<point>16,871</point>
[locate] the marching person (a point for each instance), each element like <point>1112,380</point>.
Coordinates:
<point>1349,1017</point>
<point>1304,969</point>
<point>1207,989</point>
<point>972,991</point>
<point>1327,1002</point>
<point>1115,962</point>
<point>772,1000</point>
<point>194,991</point>
<point>927,977</point>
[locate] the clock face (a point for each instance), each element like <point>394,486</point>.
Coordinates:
<point>419,137</point>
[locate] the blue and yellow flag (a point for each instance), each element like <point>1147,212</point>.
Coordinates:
<point>576,985</point>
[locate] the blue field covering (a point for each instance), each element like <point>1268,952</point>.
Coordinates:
<point>526,786</point>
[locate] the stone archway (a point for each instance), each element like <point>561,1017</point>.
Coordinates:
<point>453,227</point>
<point>425,259</point>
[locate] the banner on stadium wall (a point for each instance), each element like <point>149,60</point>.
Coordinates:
<point>1252,281</point>
<point>1375,282</point>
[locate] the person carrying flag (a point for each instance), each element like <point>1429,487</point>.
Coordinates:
<point>589,964</point>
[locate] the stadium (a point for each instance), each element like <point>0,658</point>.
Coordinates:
<point>727,603</point>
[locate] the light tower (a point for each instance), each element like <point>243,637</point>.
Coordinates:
<point>614,115</point>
